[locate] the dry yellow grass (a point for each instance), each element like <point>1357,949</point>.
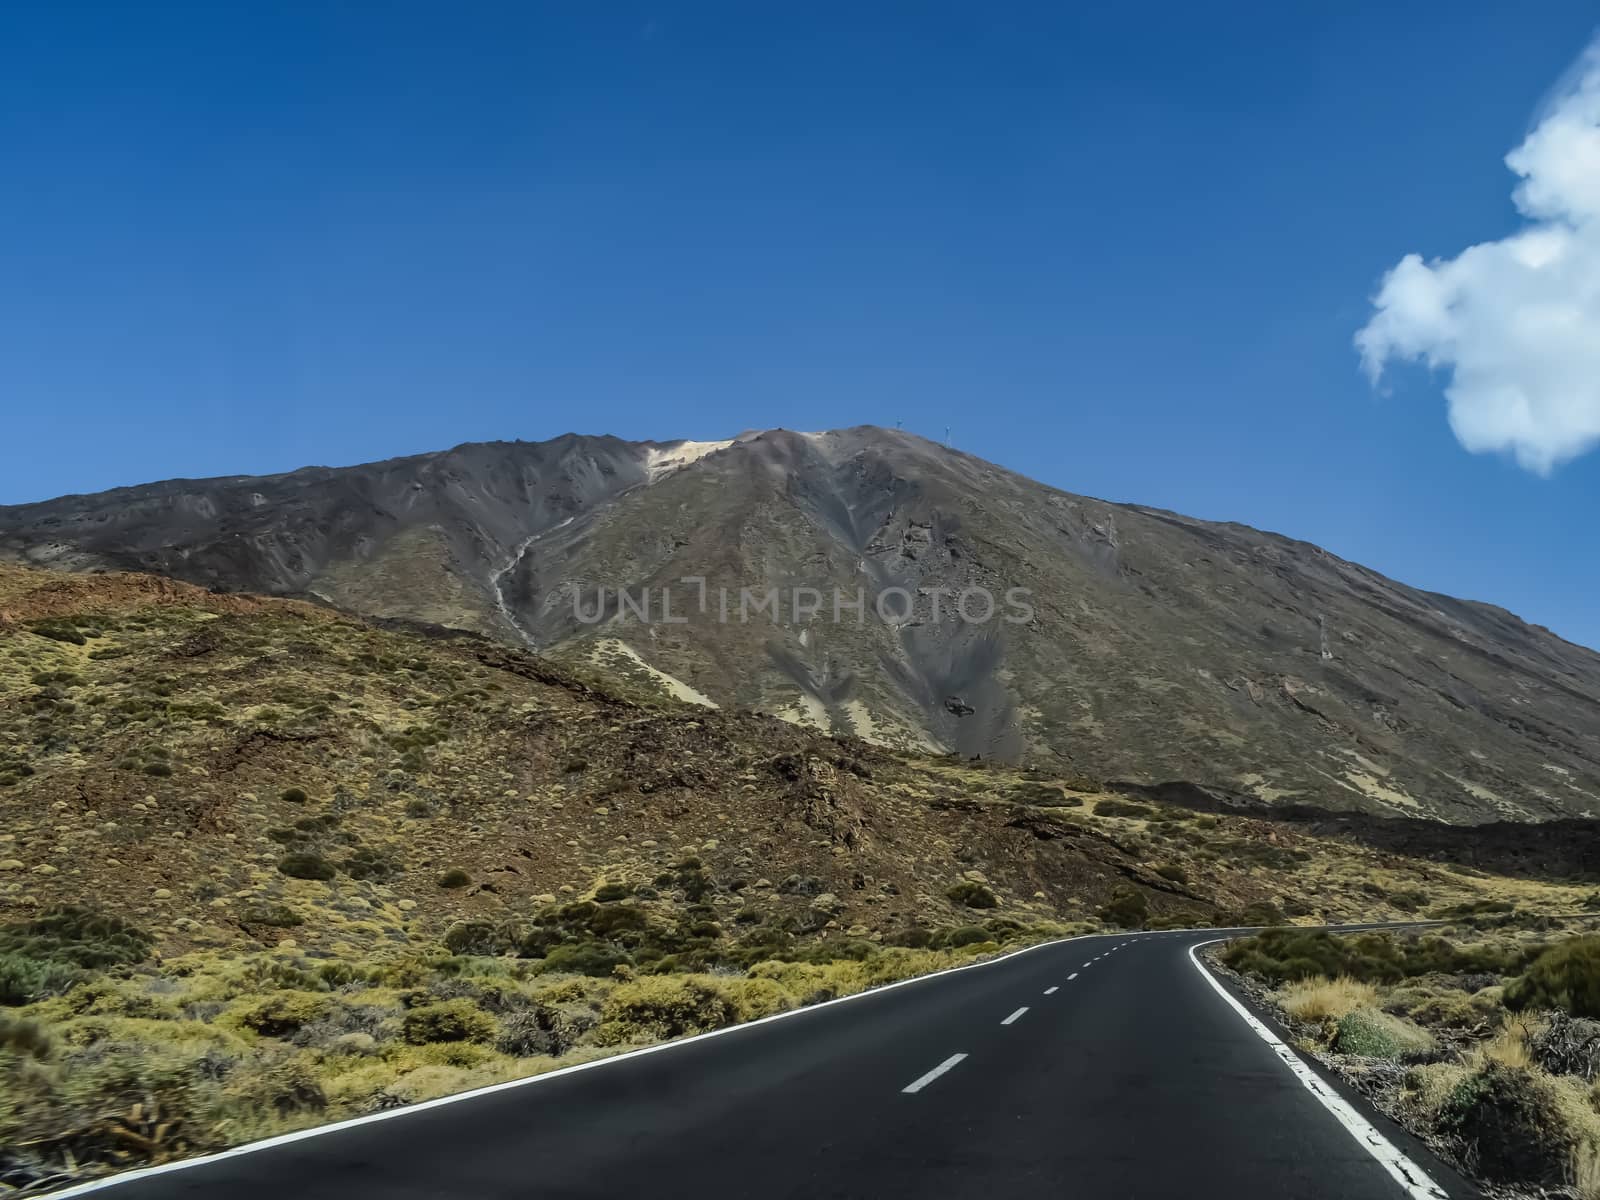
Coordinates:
<point>1586,1171</point>
<point>1509,1047</point>
<point>1323,999</point>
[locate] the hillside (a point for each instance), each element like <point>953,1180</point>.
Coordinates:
<point>1160,648</point>
<point>265,865</point>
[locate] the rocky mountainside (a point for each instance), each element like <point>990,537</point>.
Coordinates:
<point>1156,647</point>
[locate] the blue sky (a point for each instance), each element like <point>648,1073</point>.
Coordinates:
<point>1123,249</point>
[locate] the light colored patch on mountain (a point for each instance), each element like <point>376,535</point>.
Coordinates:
<point>608,650</point>
<point>1555,770</point>
<point>1365,763</point>
<point>862,724</point>
<point>882,732</point>
<point>1371,785</point>
<point>806,711</point>
<point>1477,790</point>
<point>1258,786</point>
<point>659,461</point>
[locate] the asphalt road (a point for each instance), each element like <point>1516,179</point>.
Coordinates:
<point>1098,1068</point>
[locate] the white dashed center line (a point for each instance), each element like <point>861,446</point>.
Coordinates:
<point>1050,991</point>
<point>1015,1015</point>
<point>1071,977</point>
<point>918,1085</point>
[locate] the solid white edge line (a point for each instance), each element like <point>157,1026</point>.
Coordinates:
<point>283,1139</point>
<point>1015,1015</point>
<point>1406,1173</point>
<point>917,1085</point>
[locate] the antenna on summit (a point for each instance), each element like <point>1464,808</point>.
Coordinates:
<point>947,435</point>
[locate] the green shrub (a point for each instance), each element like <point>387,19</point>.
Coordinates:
<point>276,916</point>
<point>611,891</point>
<point>76,936</point>
<point>159,769</point>
<point>1173,872</point>
<point>455,877</point>
<point>1409,900</point>
<point>25,1039</point>
<point>58,631</point>
<point>24,980</point>
<point>458,1020</point>
<point>1261,912</point>
<point>292,795</point>
<point>367,863</point>
<point>972,894</point>
<point>1128,908</point>
<point>961,935</point>
<point>542,1029</point>
<point>306,865</point>
<point>1288,955</point>
<point>1375,1034</point>
<point>1566,976</point>
<point>586,958</point>
<point>479,937</point>
<point>1123,808</point>
<point>282,1013</point>
<point>1511,1121</point>
<point>667,1006</point>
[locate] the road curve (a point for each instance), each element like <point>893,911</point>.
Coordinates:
<point>1100,1067</point>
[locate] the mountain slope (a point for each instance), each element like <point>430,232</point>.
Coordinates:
<point>1159,647</point>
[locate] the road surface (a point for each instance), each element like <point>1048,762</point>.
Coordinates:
<point>1101,1067</point>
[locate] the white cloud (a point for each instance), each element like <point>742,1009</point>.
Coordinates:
<point>1516,322</point>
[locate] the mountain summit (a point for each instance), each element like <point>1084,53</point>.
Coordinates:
<point>1124,642</point>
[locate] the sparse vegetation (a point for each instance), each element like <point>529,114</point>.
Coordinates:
<point>1497,1053</point>
<point>303,864</point>
<point>972,894</point>
<point>362,825</point>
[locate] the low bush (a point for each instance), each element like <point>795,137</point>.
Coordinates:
<point>48,954</point>
<point>368,863</point>
<point>1374,1034</point>
<point>1566,976</point>
<point>24,980</point>
<point>668,1006</point>
<point>455,877</point>
<point>458,1020</point>
<point>1321,999</point>
<point>1511,1122</point>
<point>480,937</point>
<point>1123,808</point>
<point>972,894</point>
<point>1285,955</point>
<point>306,865</point>
<point>275,916</point>
<point>542,1029</point>
<point>283,1013</point>
<point>1128,908</point>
